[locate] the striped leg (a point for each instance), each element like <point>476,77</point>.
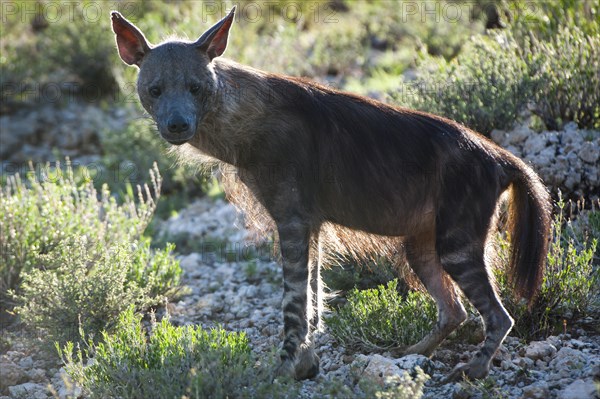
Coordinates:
<point>308,361</point>
<point>316,285</point>
<point>294,237</point>
<point>423,259</point>
<point>466,265</point>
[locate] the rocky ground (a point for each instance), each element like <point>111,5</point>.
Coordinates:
<point>245,295</point>
<point>566,160</point>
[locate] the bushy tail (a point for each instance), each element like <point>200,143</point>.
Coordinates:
<point>530,228</point>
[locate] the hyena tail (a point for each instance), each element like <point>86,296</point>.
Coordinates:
<point>530,229</point>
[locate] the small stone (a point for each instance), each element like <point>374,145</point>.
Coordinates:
<point>36,375</point>
<point>28,390</point>
<point>379,368</point>
<point>11,374</point>
<point>409,362</point>
<point>534,144</point>
<point>520,134</point>
<point>523,362</point>
<point>567,359</point>
<point>589,153</point>
<point>347,359</point>
<point>579,389</point>
<point>540,350</point>
<point>538,390</point>
<point>26,362</point>
<point>460,391</point>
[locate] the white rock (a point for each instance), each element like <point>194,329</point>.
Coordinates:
<point>520,134</point>
<point>539,390</point>
<point>579,389</point>
<point>380,367</point>
<point>535,143</point>
<point>540,350</point>
<point>28,390</point>
<point>567,359</point>
<point>409,362</point>
<point>589,153</point>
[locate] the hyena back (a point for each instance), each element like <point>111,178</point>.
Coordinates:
<point>311,156</point>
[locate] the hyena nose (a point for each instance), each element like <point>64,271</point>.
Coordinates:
<point>178,124</point>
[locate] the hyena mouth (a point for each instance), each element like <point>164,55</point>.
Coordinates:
<point>178,142</point>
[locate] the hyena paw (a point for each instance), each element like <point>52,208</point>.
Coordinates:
<point>307,366</point>
<point>462,371</point>
<point>285,369</point>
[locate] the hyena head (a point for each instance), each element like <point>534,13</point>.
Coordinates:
<point>176,82</point>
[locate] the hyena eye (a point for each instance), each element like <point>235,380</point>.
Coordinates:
<point>154,91</point>
<point>195,90</point>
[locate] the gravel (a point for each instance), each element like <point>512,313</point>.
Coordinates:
<point>567,160</point>
<point>246,296</point>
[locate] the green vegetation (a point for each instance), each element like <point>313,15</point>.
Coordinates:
<point>381,318</point>
<point>165,362</point>
<point>551,70</point>
<point>74,257</point>
<point>570,288</point>
<point>484,87</point>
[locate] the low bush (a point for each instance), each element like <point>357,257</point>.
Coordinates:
<point>76,288</point>
<point>159,360</point>
<point>50,206</point>
<point>485,87</point>
<point>380,318</point>
<point>57,50</point>
<point>570,288</point>
<point>164,362</point>
<point>73,256</point>
<point>495,78</point>
<point>567,79</point>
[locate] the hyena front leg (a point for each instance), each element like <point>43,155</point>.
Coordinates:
<point>316,284</point>
<point>297,356</point>
<point>307,365</point>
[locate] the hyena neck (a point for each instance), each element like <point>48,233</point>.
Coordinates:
<point>233,125</point>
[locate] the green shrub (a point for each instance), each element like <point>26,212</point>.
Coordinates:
<point>72,256</point>
<point>76,287</point>
<point>569,290</point>
<point>51,207</point>
<point>360,275</point>
<point>495,78</point>
<point>485,87</point>
<point>380,318</point>
<point>545,19</point>
<point>567,79</point>
<point>165,362</point>
<point>68,50</point>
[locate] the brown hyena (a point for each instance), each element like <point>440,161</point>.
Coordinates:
<point>330,168</point>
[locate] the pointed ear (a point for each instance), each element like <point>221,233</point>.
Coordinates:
<point>131,42</point>
<point>214,40</point>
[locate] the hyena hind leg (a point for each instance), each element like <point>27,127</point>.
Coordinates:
<point>422,258</point>
<point>467,267</point>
